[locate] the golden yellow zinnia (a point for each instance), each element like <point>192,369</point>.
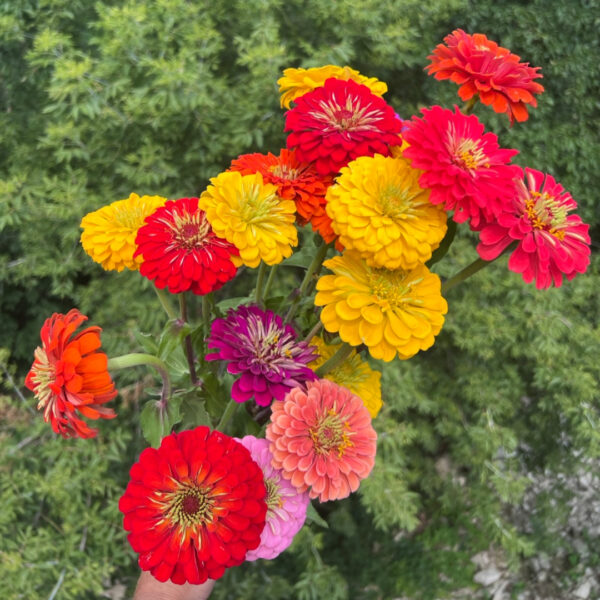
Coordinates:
<point>109,232</point>
<point>248,213</point>
<point>378,208</point>
<point>354,374</point>
<point>297,82</point>
<point>391,312</point>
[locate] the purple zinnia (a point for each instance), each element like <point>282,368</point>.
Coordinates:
<point>257,344</point>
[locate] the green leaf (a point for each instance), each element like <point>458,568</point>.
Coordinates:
<point>312,516</point>
<point>302,258</point>
<point>193,412</point>
<point>228,303</point>
<point>156,422</point>
<point>443,248</point>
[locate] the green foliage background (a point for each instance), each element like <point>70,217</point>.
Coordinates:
<point>101,98</point>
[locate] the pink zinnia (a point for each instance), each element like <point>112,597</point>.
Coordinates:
<point>465,169</point>
<point>286,506</point>
<point>551,242</point>
<point>339,122</point>
<point>322,439</point>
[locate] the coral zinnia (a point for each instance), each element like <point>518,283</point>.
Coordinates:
<point>354,373</point>
<point>69,375</point>
<point>391,312</point>
<point>483,68</point>
<point>109,232</point>
<point>465,169</point>
<point>378,208</point>
<point>297,82</point>
<point>257,344</point>
<point>339,122</point>
<point>322,439</point>
<point>194,506</point>
<point>286,506</point>
<point>180,251</point>
<point>551,242</point>
<point>251,215</point>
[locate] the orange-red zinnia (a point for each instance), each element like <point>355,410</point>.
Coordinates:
<point>69,375</point>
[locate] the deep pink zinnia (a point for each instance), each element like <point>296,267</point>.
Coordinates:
<point>322,439</point>
<point>551,242</point>
<point>339,122</point>
<point>464,167</point>
<point>266,352</point>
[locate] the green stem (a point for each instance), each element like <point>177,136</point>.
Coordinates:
<point>135,360</point>
<point>187,342</point>
<point>314,265</point>
<point>469,270</point>
<point>468,106</point>
<point>270,281</point>
<point>337,359</point>
<point>227,414</point>
<point>165,302</point>
<point>206,310</point>
<point>260,282</point>
<point>311,334</point>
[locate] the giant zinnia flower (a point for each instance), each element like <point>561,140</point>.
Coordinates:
<point>257,344</point>
<point>109,232</point>
<point>297,82</point>
<point>391,312</point>
<point>69,375</point>
<point>286,506</point>
<point>194,506</point>
<point>251,215</point>
<point>180,251</point>
<point>339,122</point>
<point>483,68</point>
<point>378,208</point>
<point>353,373</point>
<point>551,242</point>
<point>465,169</point>
<point>322,439</point>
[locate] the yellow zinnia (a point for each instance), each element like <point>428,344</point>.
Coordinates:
<point>391,312</point>
<point>249,214</point>
<point>378,208</point>
<point>297,82</point>
<point>109,233</point>
<point>354,374</point>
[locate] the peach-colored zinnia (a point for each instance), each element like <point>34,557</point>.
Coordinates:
<point>322,439</point>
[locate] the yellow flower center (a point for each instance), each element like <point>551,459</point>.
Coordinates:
<point>131,216</point>
<point>396,199</point>
<point>254,207</point>
<point>331,434</point>
<point>273,499</point>
<point>188,505</point>
<point>546,212</point>
<point>469,155</point>
<point>391,288</point>
<point>350,373</point>
<point>44,375</point>
<point>284,172</point>
<point>189,231</point>
<point>348,117</point>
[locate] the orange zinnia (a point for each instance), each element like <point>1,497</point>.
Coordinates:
<point>69,376</point>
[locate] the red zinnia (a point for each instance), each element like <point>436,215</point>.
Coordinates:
<point>339,122</point>
<point>194,506</point>
<point>69,376</point>
<point>482,67</point>
<point>465,169</point>
<point>551,242</point>
<point>181,252</point>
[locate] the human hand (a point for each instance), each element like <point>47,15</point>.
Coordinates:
<point>149,588</point>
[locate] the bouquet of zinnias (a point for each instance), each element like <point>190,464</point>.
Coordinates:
<point>377,191</point>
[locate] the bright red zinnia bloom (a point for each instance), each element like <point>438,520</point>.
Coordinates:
<point>194,506</point>
<point>339,122</point>
<point>181,251</point>
<point>465,169</point>
<point>551,242</point>
<point>483,68</point>
<point>69,376</point>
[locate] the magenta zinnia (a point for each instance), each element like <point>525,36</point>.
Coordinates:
<point>551,242</point>
<point>339,122</point>
<point>257,344</point>
<point>464,167</point>
<point>181,252</point>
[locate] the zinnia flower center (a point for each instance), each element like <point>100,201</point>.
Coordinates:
<point>131,217</point>
<point>468,154</point>
<point>189,505</point>
<point>350,117</point>
<point>44,375</point>
<point>331,434</point>
<point>273,499</point>
<point>271,344</point>
<point>189,231</point>
<point>254,206</point>
<point>391,288</point>
<point>395,200</point>
<point>284,172</point>
<point>350,373</point>
<point>546,212</point>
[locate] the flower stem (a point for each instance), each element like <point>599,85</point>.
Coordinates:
<point>135,360</point>
<point>165,302</point>
<point>270,280</point>
<point>314,265</point>
<point>337,359</point>
<point>468,106</point>
<point>227,414</point>
<point>260,282</point>
<point>187,342</point>
<point>311,334</point>
<point>469,270</point>
<point>206,309</point>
